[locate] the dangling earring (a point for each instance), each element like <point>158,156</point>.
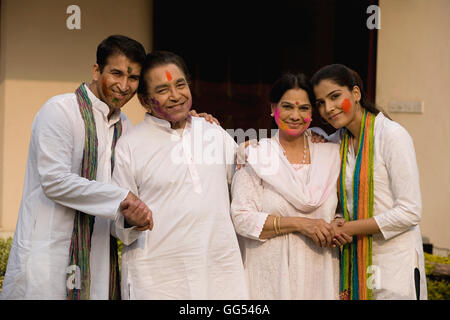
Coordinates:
<point>271,114</point>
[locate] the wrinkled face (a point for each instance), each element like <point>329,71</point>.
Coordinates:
<point>293,112</point>
<point>169,96</point>
<point>336,104</point>
<point>118,82</point>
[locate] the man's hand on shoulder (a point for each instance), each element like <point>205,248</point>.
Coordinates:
<point>205,115</point>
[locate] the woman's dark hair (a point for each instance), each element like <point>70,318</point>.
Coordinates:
<point>344,77</point>
<point>118,44</point>
<point>290,81</point>
<point>161,58</point>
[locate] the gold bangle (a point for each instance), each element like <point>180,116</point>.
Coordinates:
<point>277,225</point>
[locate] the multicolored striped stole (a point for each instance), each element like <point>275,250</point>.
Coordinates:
<point>78,286</point>
<point>114,273</point>
<point>356,257</point>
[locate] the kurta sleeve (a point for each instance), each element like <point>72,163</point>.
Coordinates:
<point>335,137</point>
<point>246,205</point>
<point>124,176</point>
<point>53,139</point>
<point>400,161</point>
<point>230,155</point>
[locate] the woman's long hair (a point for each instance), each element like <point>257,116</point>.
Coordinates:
<point>346,77</point>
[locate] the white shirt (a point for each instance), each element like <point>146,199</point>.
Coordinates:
<point>397,211</point>
<point>53,190</point>
<point>290,266</point>
<point>192,251</point>
<point>398,249</point>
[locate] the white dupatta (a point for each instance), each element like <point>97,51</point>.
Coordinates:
<point>268,161</point>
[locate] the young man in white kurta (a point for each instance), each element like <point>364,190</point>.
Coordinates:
<point>53,190</point>
<point>182,175</point>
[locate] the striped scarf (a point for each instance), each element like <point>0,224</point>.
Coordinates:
<point>356,257</point>
<point>79,281</point>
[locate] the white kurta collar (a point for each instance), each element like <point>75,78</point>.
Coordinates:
<point>166,126</point>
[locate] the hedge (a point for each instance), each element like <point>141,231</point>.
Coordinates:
<point>5,246</point>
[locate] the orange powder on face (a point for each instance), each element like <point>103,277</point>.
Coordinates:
<point>283,126</point>
<point>169,76</point>
<point>346,105</point>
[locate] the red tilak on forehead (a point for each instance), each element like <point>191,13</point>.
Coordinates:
<point>296,102</point>
<point>169,76</point>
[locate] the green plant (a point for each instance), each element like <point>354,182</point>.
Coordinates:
<point>438,289</point>
<point>119,253</point>
<point>5,247</point>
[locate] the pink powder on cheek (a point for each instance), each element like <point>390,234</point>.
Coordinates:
<point>346,106</point>
<point>285,128</point>
<point>155,102</point>
<point>163,112</point>
<point>157,107</point>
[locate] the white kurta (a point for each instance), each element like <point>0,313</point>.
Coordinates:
<point>290,266</point>
<point>53,190</point>
<point>398,249</point>
<point>192,251</point>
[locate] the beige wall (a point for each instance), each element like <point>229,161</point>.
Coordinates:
<point>41,58</point>
<point>414,65</point>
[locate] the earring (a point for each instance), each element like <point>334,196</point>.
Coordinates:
<point>271,114</point>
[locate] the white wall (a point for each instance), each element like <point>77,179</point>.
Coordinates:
<point>414,65</point>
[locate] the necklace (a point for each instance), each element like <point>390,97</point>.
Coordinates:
<point>304,149</point>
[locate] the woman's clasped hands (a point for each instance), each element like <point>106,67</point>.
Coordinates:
<point>326,234</point>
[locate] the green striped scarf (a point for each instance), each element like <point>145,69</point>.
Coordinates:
<point>356,257</point>
<point>78,287</point>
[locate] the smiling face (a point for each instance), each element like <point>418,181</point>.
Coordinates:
<point>117,83</point>
<point>293,112</point>
<point>337,104</point>
<point>169,96</point>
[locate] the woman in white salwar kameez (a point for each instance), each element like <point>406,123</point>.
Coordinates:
<point>384,216</point>
<point>283,201</point>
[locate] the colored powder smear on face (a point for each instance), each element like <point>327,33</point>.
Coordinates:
<point>155,102</point>
<point>346,105</point>
<point>163,112</point>
<point>130,70</point>
<point>283,126</point>
<point>169,76</point>
<point>105,88</point>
